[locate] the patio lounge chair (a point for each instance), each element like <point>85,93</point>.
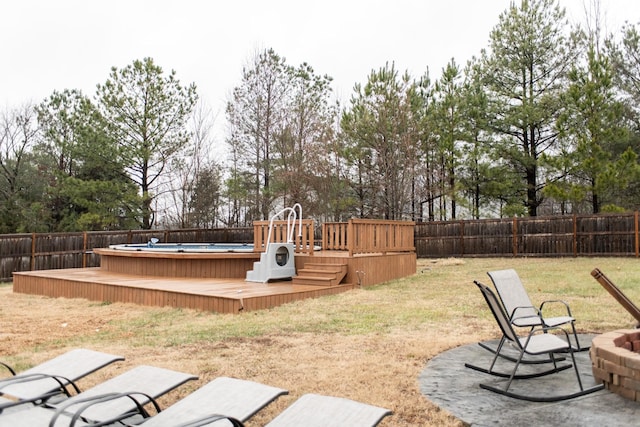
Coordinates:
<point>520,309</point>
<point>53,377</point>
<point>617,294</point>
<point>314,410</point>
<point>118,398</point>
<point>310,410</point>
<point>237,399</point>
<point>538,341</point>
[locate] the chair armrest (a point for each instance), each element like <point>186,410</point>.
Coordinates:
<point>13,372</point>
<point>62,382</point>
<point>558,302</point>
<point>513,316</point>
<point>23,378</point>
<point>94,400</point>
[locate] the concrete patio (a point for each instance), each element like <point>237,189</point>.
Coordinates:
<point>446,382</point>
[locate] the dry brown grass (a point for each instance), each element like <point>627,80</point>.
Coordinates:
<point>369,344</point>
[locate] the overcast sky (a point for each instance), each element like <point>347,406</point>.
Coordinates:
<point>52,45</point>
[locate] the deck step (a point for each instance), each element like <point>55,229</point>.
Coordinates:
<point>320,274</point>
<point>324,266</point>
<point>313,280</point>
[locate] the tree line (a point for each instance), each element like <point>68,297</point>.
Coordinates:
<point>544,120</point>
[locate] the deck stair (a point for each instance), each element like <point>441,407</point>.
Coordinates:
<point>320,274</point>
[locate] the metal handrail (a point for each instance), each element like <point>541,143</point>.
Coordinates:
<point>291,222</point>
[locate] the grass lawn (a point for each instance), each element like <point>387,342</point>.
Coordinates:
<point>368,344</point>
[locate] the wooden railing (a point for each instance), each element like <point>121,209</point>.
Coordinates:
<point>363,236</point>
<point>303,242</point>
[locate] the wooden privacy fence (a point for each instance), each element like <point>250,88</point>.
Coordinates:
<point>41,251</point>
<point>577,235</point>
<point>362,236</point>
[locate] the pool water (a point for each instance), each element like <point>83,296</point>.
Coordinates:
<point>186,247</point>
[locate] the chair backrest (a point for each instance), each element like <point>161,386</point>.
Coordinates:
<point>498,313</point>
<point>512,293</point>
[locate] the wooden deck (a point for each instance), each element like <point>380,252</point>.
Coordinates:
<point>224,295</point>
<point>220,295</point>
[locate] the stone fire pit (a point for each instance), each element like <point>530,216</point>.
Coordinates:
<point>615,360</point>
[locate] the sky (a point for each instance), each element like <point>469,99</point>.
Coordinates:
<point>52,45</point>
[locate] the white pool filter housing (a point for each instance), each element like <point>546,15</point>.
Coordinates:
<point>277,262</point>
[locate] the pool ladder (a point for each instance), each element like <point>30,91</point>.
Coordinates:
<point>278,259</point>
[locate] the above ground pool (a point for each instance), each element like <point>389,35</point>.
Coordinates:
<point>185,247</point>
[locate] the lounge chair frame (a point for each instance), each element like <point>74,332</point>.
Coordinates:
<point>209,419</point>
<point>538,341</point>
<point>56,376</point>
<point>106,403</point>
<point>66,387</point>
<point>86,403</point>
<point>222,398</point>
<point>8,367</point>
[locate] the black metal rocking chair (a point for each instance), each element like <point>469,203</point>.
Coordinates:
<point>537,342</point>
<point>522,313</point>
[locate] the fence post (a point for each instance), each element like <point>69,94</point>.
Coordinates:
<point>635,214</point>
<point>575,235</point>
<point>515,236</point>
<point>84,249</point>
<point>462,237</point>
<point>32,266</point>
